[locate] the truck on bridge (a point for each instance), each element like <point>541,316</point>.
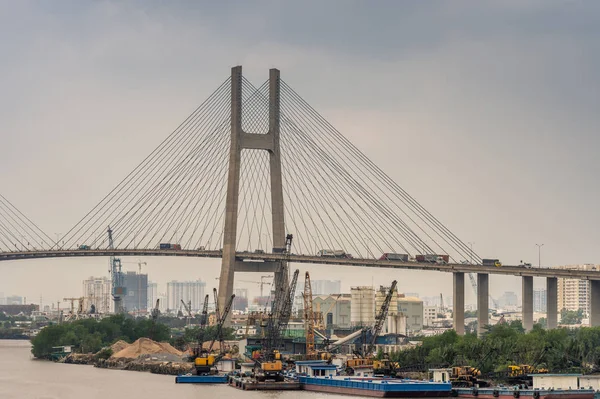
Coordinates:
<point>84,247</point>
<point>392,256</point>
<point>491,262</point>
<point>169,246</point>
<point>333,253</point>
<point>433,258</point>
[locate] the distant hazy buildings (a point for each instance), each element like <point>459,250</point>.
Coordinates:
<point>96,291</point>
<point>574,294</point>
<point>412,308</point>
<point>152,295</point>
<point>240,302</point>
<point>539,301</point>
<point>335,310</point>
<point>326,287</point>
<point>508,299</point>
<point>14,300</point>
<point>187,291</point>
<point>136,297</point>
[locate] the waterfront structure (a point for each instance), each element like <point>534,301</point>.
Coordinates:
<point>97,292</point>
<point>574,294</point>
<point>539,301</point>
<point>188,291</point>
<point>362,306</point>
<point>136,289</point>
<point>326,287</point>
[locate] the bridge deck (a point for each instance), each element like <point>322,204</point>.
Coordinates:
<point>356,262</point>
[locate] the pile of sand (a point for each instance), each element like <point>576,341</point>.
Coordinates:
<point>118,346</point>
<point>145,346</point>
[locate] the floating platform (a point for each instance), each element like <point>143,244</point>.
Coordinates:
<point>376,387</point>
<point>201,379</point>
<point>510,393</point>
<point>249,384</point>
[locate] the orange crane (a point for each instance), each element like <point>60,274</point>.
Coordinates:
<point>309,319</point>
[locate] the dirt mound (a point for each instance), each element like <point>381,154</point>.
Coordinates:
<point>145,346</point>
<point>119,346</point>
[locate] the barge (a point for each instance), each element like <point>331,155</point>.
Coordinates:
<point>251,384</point>
<point>376,387</point>
<point>201,379</point>
<point>510,393</point>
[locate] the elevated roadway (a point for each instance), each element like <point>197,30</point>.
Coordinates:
<point>274,257</point>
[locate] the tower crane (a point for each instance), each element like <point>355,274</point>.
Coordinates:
<point>474,286</point>
<point>188,309</point>
<point>309,320</point>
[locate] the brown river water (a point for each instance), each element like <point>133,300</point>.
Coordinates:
<point>21,377</point>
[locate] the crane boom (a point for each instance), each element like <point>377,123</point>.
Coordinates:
<point>220,322</point>
<point>381,317</point>
<point>204,314</point>
<point>309,320</point>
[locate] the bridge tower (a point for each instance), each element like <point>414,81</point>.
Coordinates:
<point>270,142</point>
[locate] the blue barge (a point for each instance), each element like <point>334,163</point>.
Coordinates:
<point>201,379</point>
<point>376,387</point>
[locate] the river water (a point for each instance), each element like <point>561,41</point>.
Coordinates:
<point>21,377</point>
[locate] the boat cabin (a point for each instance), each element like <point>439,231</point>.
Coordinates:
<point>247,368</point>
<point>440,375</point>
<point>226,365</point>
<point>555,381</point>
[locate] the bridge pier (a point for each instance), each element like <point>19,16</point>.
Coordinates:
<point>242,140</point>
<point>483,292</point>
<point>551,302</point>
<point>594,303</point>
<point>458,302</point>
<point>527,305</point>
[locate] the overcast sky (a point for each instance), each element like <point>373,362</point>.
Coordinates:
<point>503,94</point>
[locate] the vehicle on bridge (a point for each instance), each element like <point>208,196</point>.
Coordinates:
<point>392,256</point>
<point>491,262</point>
<point>433,258</point>
<point>170,246</point>
<point>83,247</point>
<point>333,253</point>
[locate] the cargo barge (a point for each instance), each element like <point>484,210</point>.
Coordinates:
<point>251,384</point>
<point>510,393</point>
<point>201,379</point>
<point>376,387</point>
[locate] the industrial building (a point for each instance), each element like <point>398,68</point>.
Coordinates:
<point>574,294</point>
<point>362,306</point>
<point>97,292</point>
<point>412,308</point>
<point>336,310</point>
<point>429,315</point>
<point>188,291</point>
<point>136,292</point>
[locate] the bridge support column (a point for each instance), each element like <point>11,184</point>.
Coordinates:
<point>242,140</point>
<point>527,305</point>
<point>551,302</point>
<point>594,303</point>
<point>233,188</point>
<point>483,306</point>
<point>458,303</point>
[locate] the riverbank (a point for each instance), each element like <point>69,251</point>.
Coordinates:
<point>146,363</point>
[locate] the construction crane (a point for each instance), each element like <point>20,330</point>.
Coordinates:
<point>321,317</point>
<point>269,367</point>
<point>442,307</point>
<point>381,317</point>
<point>309,320</point>
<point>474,286</point>
<point>197,350</point>
<point>205,361</point>
<point>154,314</point>
<point>118,290</point>
<point>188,309</point>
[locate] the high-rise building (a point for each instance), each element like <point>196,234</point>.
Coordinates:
<point>152,295</point>
<point>326,287</point>
<point>14,300</point>
<point>240,302</point>
<point>412,308</point>
<point>574,294</point>
<point>136,288</point>
<point>96,291</point>
<point>188,291</point>
<point>539,301</point>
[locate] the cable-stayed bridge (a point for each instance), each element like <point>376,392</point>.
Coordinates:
<point>250,165</point>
